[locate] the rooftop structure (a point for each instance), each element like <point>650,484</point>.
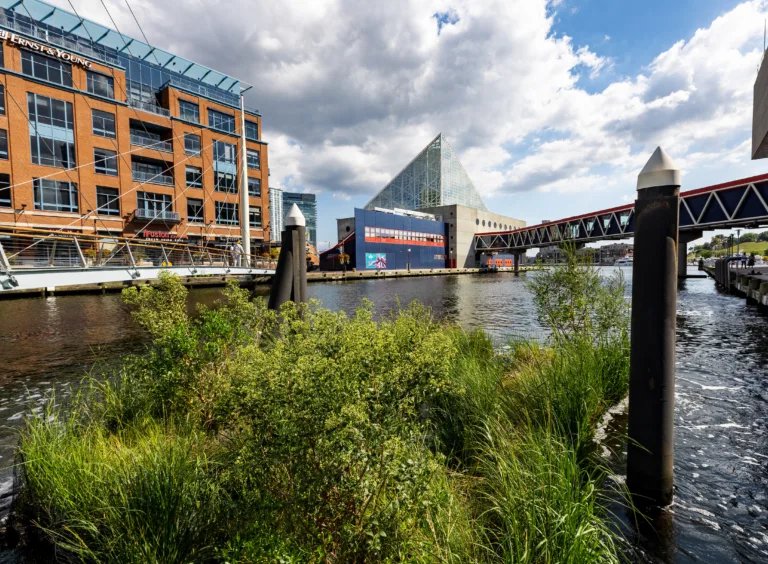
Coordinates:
<point>435,177</point>
<point>40,20</point>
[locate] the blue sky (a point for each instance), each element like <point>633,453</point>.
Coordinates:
<point>552,105</point>
<point>633,33</point>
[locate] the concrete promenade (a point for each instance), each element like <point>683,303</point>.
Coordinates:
<point>246,280</point>
<point>750,283</point>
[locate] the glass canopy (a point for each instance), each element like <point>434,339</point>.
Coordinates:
<point>66,29</point>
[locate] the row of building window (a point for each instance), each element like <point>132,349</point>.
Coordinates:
<point>402,235</point>
<point>52,195</point>
<point>52,140</point>
<point>222,181</point>
<point>55,71</point>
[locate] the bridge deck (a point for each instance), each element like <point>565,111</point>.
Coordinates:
<point>738,203</point>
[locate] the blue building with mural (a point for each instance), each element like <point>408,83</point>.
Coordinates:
<point>389,240</point>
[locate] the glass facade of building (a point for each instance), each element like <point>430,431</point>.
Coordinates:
<point>308,205</point>
<point>434,178</point>
<point>276,214</point>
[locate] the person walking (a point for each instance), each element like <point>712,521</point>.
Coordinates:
<point>232,254</point>
<point>237,253</point>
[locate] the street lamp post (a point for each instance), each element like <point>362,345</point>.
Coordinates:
<point>409,260</point>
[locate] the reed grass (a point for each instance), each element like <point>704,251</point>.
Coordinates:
<point>241,436</point>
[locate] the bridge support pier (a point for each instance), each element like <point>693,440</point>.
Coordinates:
<point>682,251</point>
<point>650,448</point>
<point>516,259</point>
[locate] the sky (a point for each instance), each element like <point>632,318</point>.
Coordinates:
<point>553,106</point>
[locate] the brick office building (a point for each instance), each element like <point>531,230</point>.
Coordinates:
<point>101,133</point>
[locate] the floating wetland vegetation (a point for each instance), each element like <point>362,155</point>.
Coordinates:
<point>242,435</point>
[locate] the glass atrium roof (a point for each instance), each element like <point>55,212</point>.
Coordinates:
<point>100,36</point>
<point>435,177</point>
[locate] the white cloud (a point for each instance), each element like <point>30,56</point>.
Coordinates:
<point>350,91</point>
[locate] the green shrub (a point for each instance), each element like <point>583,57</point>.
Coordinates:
<point>310,435</point>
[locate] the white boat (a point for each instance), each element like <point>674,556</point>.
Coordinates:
<point>623,261</point>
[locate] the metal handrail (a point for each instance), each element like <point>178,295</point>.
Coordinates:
<point>142,213</point>
<point>144,141</point>
<point>39,248</point>
<point>149,107</point>
<point>159,178</point>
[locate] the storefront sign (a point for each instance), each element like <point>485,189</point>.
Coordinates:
<point>14,39</point>
<point>161,236</point>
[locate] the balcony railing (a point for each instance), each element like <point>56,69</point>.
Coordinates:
<point>148,107</point>
<point>154,178</point>
<point>157,215</point>
<point>158,144</point>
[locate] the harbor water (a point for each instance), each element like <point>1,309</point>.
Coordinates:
<point>720,512</point>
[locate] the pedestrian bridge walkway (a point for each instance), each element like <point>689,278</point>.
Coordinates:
<point>36,261</point>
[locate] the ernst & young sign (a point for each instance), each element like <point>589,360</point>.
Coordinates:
<point>44,49</point>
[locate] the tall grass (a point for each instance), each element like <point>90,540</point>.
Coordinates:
<point>147,494</point>
<point>244,436</point>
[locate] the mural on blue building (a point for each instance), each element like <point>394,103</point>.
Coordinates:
<point>375,261</point>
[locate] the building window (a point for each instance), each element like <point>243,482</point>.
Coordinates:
<point>105,162</point>
<point>3,144</point>
<point>221,121</point>
<point>189,111</point>
<point>194,177</point>
<point>226,213</point>
<point>52,137</point>
<point>107,200</point>
<point>251,130</point>
<point>142,171</point>
<point>195,211</point>
<point>224,152</point>
<point>254,216</point>
<point>46,68</point>
<point>225,182</point>
<point>192,144</point>
<point>100,84</point>
<point>52,195</point>
<point>224,167</point>
<point>5,190</point>
<point>154,204</point>
<point>254,186</point>
<point>2,98</point>
<point>252,158</point>
<point>103,124</point>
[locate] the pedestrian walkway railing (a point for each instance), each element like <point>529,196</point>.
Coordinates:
<point>24,249</point>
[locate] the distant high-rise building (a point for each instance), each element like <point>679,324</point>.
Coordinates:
<point>276,213</point>
<point>308,205</point>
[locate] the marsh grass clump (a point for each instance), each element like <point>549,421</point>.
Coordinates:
<point>245,435</point>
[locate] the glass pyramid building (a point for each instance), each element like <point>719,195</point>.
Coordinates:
<point>434,178</point>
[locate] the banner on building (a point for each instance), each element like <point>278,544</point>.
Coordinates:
<point>376,261</point>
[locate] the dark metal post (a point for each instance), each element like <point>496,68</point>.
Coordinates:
<point>290,280</point>
<point>650,453</point>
